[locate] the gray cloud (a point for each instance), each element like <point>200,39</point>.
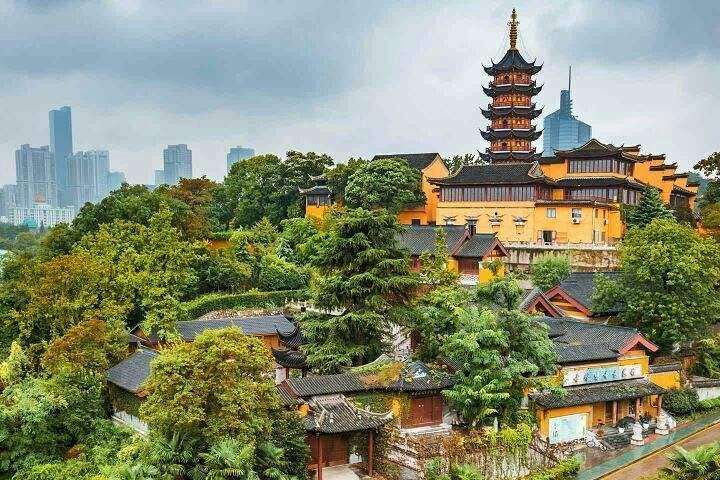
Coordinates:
<point>347,78</point>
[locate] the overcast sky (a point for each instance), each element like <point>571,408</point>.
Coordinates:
<point>344,78</point>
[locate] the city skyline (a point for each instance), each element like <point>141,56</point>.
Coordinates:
<point>352,100</point>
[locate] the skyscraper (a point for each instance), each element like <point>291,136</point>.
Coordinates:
<point>177,163</point>
<point>8,200</point>
<point>115,180</point>
<point>35,173</point>
<point>238,153</point>
<point>561,130</point>
<point>159,177</point>
<point>88,177</point>
<point>61,145</point>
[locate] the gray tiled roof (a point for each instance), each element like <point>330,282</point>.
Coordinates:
<point>600,392</point>
<point>251,325</point>
<point>530,295</point>
<point>599,182</point>
<point>289,358</point>
<point>352,382</point>
<point>421,238</point>
<point>666,367</point>
<point>336,414</point>
<point>581,285</point>
<point>415,160</point>
<point>500,173</point>
<point>476,246</point>
<point>577,341</point>
<point>132,372</point>
<point>704,382</point>
<point>286,398</point>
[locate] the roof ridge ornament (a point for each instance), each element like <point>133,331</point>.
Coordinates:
<point>513,23</point>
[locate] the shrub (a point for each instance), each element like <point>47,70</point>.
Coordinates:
<point>279,274</point>
<point>709,404</point>
<point>681,401</point>
<point>234,301</point>
<point>567,469</point>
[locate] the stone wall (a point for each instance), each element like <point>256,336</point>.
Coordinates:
<point>584,257</point>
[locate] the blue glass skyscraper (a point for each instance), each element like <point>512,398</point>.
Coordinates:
<point>61,146</point>
<point>561,130</point>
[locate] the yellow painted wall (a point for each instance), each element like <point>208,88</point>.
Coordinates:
<point>536,219</point>
<point>428,212</point>
<point>485,274</point>
<point>316,211</point>
<point>635,357</point>
<point>666,379</point>
<point>544,416</point>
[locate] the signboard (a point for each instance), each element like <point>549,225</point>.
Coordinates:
<point>611,373</point>
<point>568,428</point>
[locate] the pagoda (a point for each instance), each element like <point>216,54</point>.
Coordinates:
<point>512,110</point>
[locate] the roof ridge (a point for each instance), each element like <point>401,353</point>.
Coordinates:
<point>574,320</point>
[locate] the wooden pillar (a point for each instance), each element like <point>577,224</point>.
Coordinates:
<point>320,458</point>
<point>659,404</point>
<point>287,372</point>
<point>614,412</point>
<point>371,442</point>
<point>637,409</point>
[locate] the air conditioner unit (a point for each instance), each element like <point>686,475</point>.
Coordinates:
<point>576,220</point>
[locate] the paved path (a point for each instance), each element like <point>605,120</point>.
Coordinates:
<point>627,459</point>
<point>652,464</point>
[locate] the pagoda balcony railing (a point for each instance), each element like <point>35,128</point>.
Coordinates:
<point>510,104</point>
<point>500,128</point>
<point>503,84</point>
<point>501,149</point>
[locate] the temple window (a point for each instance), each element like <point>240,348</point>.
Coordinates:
<point>577,212</point>
<point>551,213</point>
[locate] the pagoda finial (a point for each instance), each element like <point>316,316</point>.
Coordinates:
<point>513,30</point>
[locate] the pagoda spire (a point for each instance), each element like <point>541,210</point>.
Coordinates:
<point>513,23</point>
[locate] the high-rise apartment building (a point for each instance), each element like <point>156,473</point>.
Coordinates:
<point>8,201</point>
<point>35,174</point>
<point>561,130</point>
<point>61,145</point>
<point>177,163</point>
<point>115,180</point>
<point>41,215</point>
<point>159,177</point>
<point>238,153</point>
<point>88,174</point>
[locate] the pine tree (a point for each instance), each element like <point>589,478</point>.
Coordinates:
<point>367,278</point>
<point>650,207</point>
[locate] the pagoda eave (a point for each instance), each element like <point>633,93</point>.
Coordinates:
<point>498,112</point>
<point>494,157</point>
<point>491,135</point>
<point>494,91</point>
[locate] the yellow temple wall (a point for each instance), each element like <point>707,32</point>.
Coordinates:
<point>544,416</point>
<point>316,211</point>
<point>536,219</point>
<point>428,212</point>
<point>667,380</point>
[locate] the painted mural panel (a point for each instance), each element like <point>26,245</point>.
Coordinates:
<point>610,373</point>
<point>568,428</point>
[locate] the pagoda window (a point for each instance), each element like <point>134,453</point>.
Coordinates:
<point>504,145</point>
<point>506,79</point>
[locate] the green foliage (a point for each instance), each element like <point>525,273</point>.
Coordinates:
<point>702,463</point>
<point>456,161</point>
<point>567,469</point>
<point>279,274</point>
<point>434,266</point>
<point>457,471</point>
<point>221,271</point>
<point>709,404</point>
<point>501,292</point>
<point>667,285</point>
<point>502,352</point>
<point>549,270</point>
<point>389,183</point>
<point>288,431</point>
<point>210,302</point>
<point>41,418</point>
<point>212,388</point>
<point>681,401</point>
<point>91,345</point>
<point>433,319</point>
<point>710,165</point>
<point>707,362</point>
<point>648,209</point>
<point>200,219</point>
<point>338,177</point>
<point>14,368</point>
<point>366,276</point>
<point>265,186</point>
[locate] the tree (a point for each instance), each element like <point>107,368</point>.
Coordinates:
<point>389,183</point>
<point>367,277</point>
<point>708,357</point>
<point>198,194</point>
<point>649,208</point>
<point>455,162</point>
<point>40,418</point>
<point>549,270</point>
<point>213,388</point>
<point>435,267</point>
<point>709,165</point>
<point>702,463</point>
<point>91,345</point>
<point>668,283</point>
<point>279,274</point>
<point>433,319</point>
<point>502,350</point>
<point>338,177</point>
<point>151,265</point>
<point>265,186</point>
